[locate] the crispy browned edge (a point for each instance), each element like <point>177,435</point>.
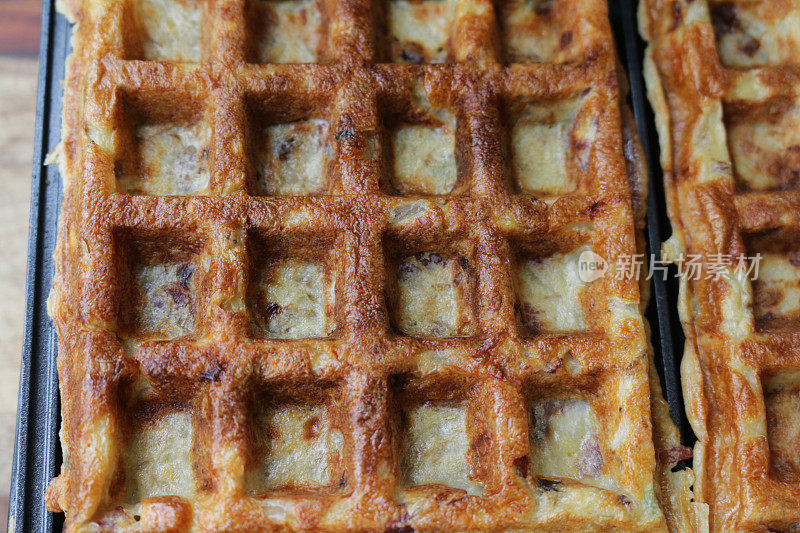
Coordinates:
<point>674,488</point>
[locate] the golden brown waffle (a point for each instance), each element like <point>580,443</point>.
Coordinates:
<point>344,295</point>
<point>724,79</point>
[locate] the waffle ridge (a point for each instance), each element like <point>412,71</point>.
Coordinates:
<point>724,82</point>
<point>297,299</point>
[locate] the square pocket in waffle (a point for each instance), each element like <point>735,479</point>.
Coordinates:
<point>318,270</point>
<point>724,80</point>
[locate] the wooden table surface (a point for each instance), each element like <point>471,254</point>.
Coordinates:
<point>19,45</point>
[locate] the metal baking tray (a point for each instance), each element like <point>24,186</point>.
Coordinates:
<point>37,454</point>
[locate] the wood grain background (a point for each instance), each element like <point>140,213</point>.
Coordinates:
<point>19,27</point>
<point>19,45</point>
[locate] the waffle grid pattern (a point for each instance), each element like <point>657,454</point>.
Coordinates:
<point>724,81</point>
<point>359,228</point>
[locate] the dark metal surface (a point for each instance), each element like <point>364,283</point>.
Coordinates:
<point>37,455</point>
<point>36,451</point>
